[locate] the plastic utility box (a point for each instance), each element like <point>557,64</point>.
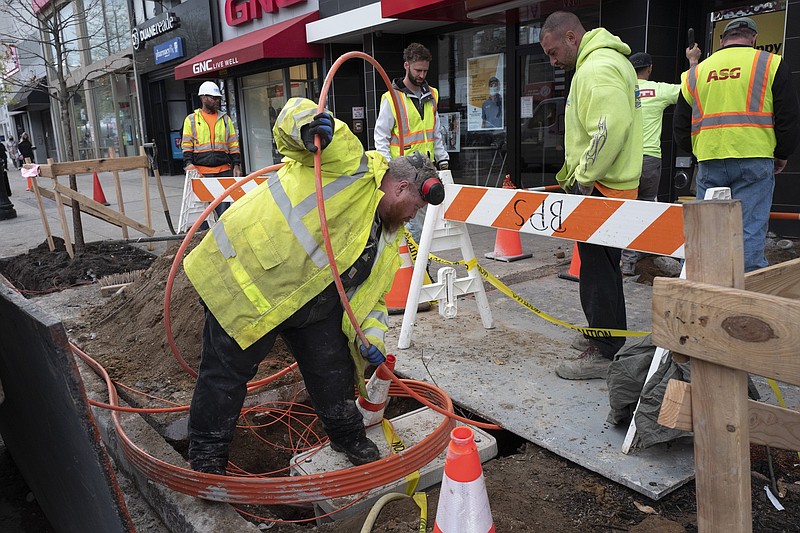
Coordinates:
<point>411,427</point>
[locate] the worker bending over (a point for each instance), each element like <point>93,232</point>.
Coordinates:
<point>262,271</point>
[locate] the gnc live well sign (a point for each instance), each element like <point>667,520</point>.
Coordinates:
<point>241,11</point>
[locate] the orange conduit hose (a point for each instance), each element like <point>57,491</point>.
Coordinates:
<point>775,215</point>
<point>284,490</point>
<point>324,223</point>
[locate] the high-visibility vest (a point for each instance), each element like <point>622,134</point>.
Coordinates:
<point>417,131</point>
<point>731,98</point>
<point>264,259</point>
<point>208,151</point>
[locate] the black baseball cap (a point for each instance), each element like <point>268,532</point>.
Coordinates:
<point>741,22</point>
<point>640,60</point>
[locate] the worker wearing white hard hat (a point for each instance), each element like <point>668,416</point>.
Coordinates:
<point>210,143</point>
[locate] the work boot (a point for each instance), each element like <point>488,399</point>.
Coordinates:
<point>580,343</point>
<point>591,364</point>
<point>628,268</point>
<point>359,451</point>
<point>210,466</point>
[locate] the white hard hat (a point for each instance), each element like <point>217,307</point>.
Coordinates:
<point>209,88</point>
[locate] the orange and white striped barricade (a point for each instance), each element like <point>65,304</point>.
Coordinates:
<point>198,192</point>
<point>438,235</point>
<point>373,406</point>
<point>652,227</point>
<point>463,501</point>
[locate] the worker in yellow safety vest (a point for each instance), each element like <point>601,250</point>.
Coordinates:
<point>419,118</point>
<point>209,141</point>
<point>262,271</point>
<point>740,118</point>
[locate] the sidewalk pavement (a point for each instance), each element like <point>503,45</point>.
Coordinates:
<point>18,235</point>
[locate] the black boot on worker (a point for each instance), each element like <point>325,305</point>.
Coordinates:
<point>210,466</point>
<point>359,450</point>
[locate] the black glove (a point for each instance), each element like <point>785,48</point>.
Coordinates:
<point>322,125</point>
<point>444,164</point>
<point>372,354</point>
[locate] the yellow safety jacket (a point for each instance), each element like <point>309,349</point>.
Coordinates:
<point>417,131</point>
<point>731,98</point>
<point>265,258</point>
<point>200,148</point>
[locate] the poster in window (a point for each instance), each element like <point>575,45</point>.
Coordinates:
<point>485,93</point>
<point>451,131</point>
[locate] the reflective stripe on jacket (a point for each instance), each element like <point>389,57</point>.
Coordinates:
<point>731,98</point>
<point>265,257</point>
<point>200,149</point>
<point>417,131</point>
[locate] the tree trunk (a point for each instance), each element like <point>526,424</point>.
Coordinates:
<point>66,121</point>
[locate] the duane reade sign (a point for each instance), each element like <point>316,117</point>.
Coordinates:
<point>164,23</point>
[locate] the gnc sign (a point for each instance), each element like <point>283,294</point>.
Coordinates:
<point>241,11</point>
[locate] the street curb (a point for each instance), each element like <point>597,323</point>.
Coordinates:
<point>180,513</point>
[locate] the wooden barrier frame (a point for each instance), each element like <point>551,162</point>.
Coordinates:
<point>727,331</point>
<point>63,195</point>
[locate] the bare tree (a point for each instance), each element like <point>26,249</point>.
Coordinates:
<point>65,38</point>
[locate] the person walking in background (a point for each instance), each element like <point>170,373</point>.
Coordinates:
<point>13,151</point>
<point>26,148</point>
<point>419,118</point>
<point>738,114</point>
<point>209,142</point>
<point>655,97</point>
<point>492,108</point>
<point>603,157</point>
<point>261,273</point>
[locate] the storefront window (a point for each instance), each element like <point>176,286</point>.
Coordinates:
<point>115,124</point>
<point>83,126</point>
<point>472,102</point>
<point>263,96</point>
<point>108,30</point>
<point>67,23</point>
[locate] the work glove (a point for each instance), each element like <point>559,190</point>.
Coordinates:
<point>372,354</point>
<point>584,190</point>
<point>322,125</point>
<point>443,164</point>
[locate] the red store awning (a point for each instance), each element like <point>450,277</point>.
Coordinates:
<point>285,39</point>
<point>450,10</point>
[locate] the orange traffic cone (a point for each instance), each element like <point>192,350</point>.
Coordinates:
<point>463,502</point>
<point>398,294</point>
<point>507,244</point>
<point>574,272</point>
<point>29,185</point>
<point>98,195</point>
<point>372,407</point>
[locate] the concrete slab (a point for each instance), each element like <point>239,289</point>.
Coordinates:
<point>411,428</point>
<point>506,375</point>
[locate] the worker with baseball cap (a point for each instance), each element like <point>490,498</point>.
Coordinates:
<point>655,97</point>
<point>210,143</point>
<point>740,118</point>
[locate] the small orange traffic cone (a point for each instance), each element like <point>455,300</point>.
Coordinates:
<point>398,294</point>
<point>29,185</point>
<point>98,195</point>
<point>507,243</point>
<point>463,501</point>
<point>372,407</point>
<point>574,272</point>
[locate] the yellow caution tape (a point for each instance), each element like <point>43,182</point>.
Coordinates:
<point>421,499</point>
<point>396,445</point>
<point>499,285</point>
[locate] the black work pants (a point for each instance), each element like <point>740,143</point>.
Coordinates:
<point>602,298</point>
<point>314,335</point>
